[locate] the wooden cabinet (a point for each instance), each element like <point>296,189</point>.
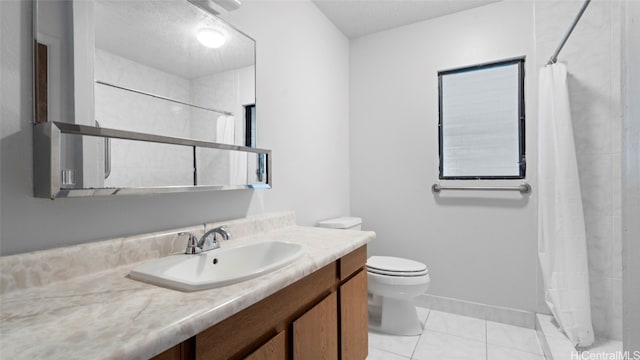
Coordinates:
<point>354,317</point>
<point>182,351</point>
<point>274,349</point>
<point>171,354</point>
<point>354,314</point>
<point>315,334</point>
<point>353,262</point>
<point>238,335</point>
<point>321,316</point>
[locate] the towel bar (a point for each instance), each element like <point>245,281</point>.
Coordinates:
<point>523,188</point>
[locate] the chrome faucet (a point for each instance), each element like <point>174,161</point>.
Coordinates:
<point>208,241</point>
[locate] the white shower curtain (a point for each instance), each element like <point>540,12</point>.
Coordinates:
<point>562,246</point>
<point>225,129</point>
<point>226,133</point>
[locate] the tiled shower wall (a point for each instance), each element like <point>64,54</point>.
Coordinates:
<point>593,58</point>
<point>148,164</point>
<point>136,163</point>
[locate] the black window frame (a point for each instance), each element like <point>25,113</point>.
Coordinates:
<point>521,121</point>
<point>250,125</point>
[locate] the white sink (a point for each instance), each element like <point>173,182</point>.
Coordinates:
<point>217,267</point>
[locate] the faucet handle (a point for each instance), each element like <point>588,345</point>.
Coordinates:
<point>192,243</point>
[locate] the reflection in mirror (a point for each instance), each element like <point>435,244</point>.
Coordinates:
<point>156,76</point>
<point>162,165</point>
<point>231,167</point>
<point>149,164</point>
<point>152,67</point>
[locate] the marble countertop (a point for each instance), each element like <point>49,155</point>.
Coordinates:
<point>106,315</point>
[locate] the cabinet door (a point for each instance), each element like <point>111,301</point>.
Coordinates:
<point>182,351</point>
<point>170,354</point>
<point>354,320</point>
<point>273,349</point>
<point>240,333</point>
<point>315,334</point>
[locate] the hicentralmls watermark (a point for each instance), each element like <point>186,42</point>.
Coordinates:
<point>605,355</point>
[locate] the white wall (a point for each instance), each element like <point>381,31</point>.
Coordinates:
<point>302,97</point>
<point>302,105</point>
<point>479,247</point>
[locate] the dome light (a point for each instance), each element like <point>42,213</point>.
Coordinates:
<point>211,38</point>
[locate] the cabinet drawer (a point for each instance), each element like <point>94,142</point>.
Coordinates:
<point>353,262</point>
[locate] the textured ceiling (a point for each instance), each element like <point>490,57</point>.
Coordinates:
<point>357,18</point>
<point>162,34</point>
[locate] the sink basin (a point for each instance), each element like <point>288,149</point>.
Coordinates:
<point>218,267</point>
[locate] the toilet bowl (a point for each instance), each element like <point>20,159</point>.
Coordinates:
<point>393,284</point>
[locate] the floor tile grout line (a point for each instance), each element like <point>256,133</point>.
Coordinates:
<point>424,327</point>
<point>390,351</point>
<point>486,340</point>
<point>518,349</point>
<point>540,353</point>
<point>455,335</point>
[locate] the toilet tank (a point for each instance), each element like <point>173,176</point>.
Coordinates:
<point>345,223</point>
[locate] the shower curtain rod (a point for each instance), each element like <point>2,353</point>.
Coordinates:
<point>99,82</point>
<point>554,58</point>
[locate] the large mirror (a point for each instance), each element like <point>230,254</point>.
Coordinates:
<point>166,68</point>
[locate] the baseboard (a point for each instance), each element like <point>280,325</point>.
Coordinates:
<point>499,314</point>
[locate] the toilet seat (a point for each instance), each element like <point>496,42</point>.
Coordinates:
<point>393,266</point>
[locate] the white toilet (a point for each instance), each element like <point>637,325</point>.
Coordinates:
<point>393,285</point>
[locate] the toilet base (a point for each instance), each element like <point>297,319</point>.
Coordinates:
<point>394,316</point>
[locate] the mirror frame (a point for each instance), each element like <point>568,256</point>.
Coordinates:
<point>47,166</point>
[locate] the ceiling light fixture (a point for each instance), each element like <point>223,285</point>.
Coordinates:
<point>216,7</point>
<point>211,38</point>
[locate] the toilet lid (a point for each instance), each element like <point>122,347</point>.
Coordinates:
<point>394,266</point>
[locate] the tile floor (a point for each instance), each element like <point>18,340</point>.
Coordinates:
<point>454,337</point>
<point>603,347</point>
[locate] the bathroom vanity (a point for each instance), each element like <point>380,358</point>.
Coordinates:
<point>79,303</point>
<point>321,315</point>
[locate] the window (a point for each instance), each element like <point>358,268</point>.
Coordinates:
<point>481,125</point>
<point>250,125</point>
